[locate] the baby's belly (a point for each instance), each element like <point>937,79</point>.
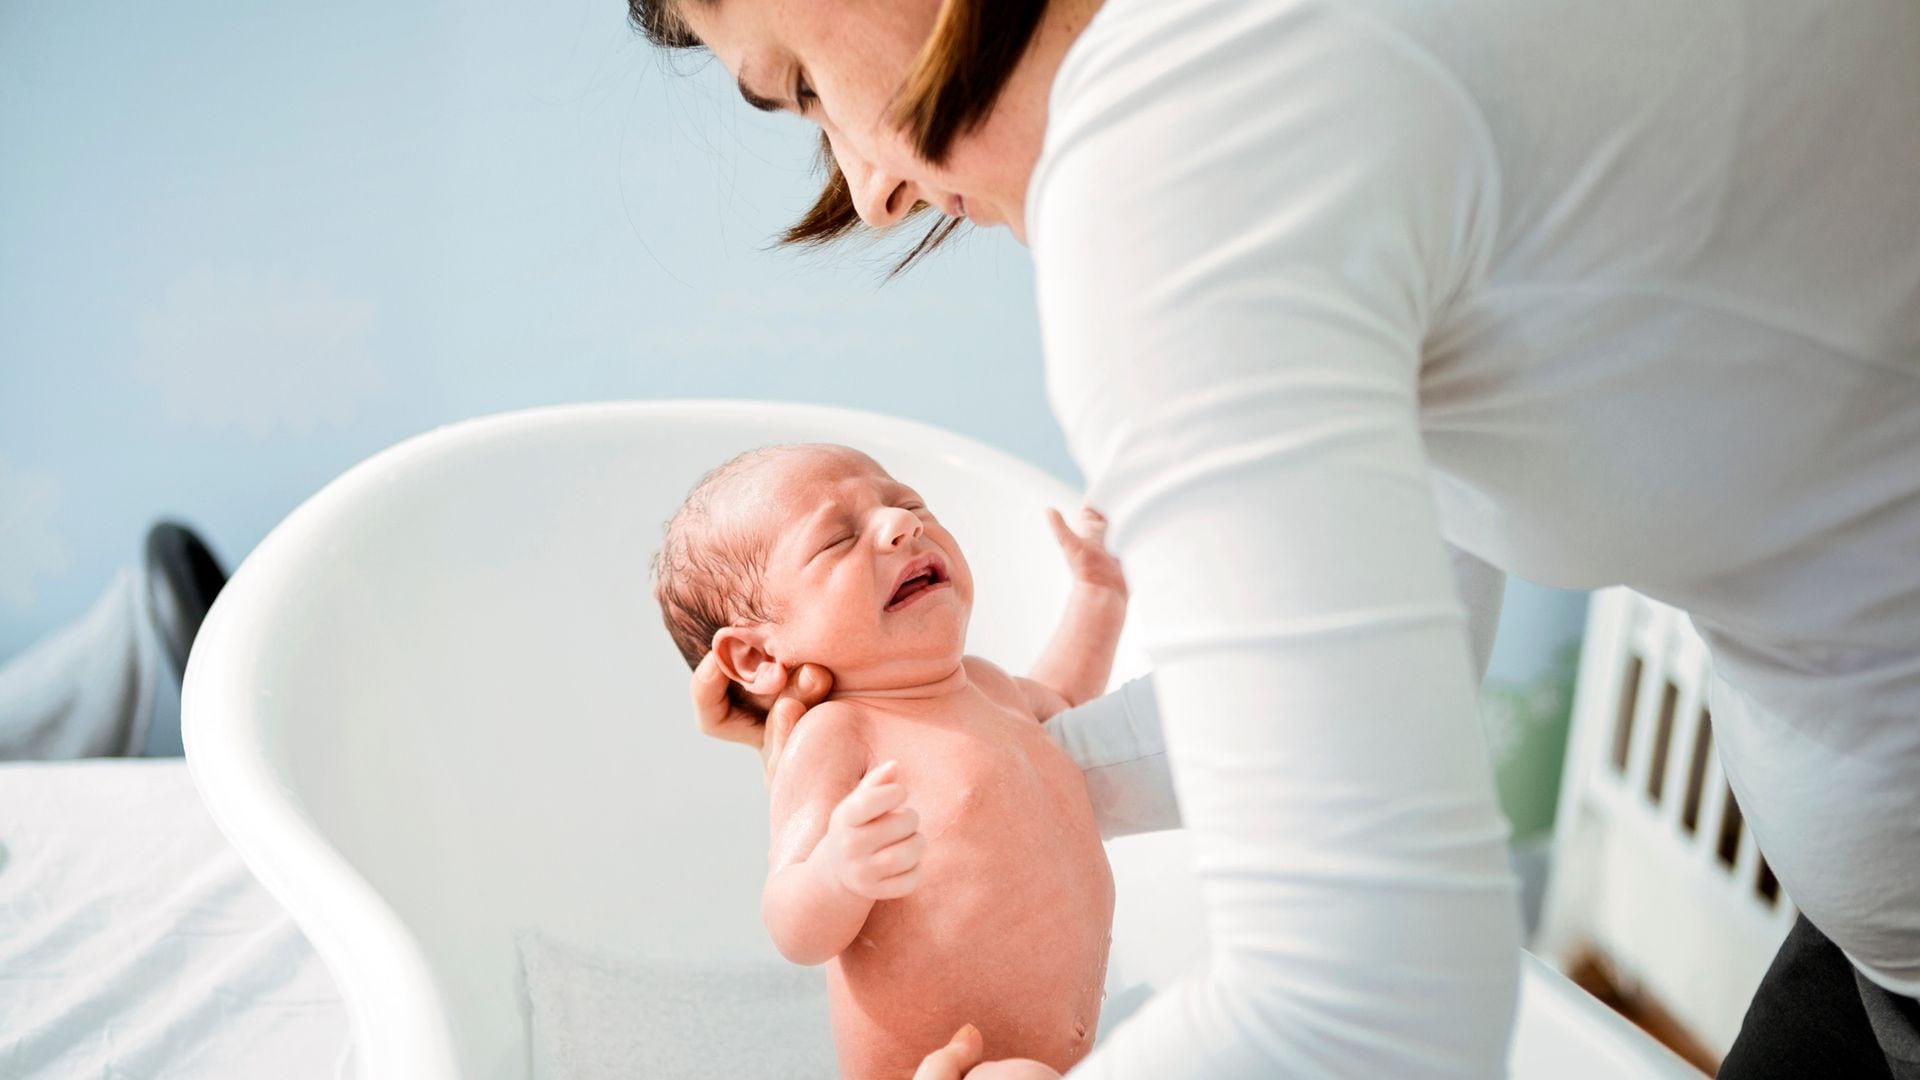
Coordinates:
<point>1008,930</point>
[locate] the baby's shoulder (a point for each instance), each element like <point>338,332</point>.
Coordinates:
<point>824,759</point>
<point>984,671</point>
<point>993,680</point>
<point>827,746</point>
<point>829,728</point>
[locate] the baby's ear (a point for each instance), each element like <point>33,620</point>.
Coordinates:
<point>739,654</point>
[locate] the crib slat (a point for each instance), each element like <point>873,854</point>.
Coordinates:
<point>1714,804</point>
<point>1692,803</point>
<point>1650,643</point>
<point>1746,868</point>
<point>1691,666</point>
<point>1785,913</point>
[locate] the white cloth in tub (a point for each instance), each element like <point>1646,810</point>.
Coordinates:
<point>601,1016</point>
<point>596,1015</point>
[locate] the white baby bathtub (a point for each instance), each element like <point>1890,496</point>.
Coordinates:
<point>436,706</point>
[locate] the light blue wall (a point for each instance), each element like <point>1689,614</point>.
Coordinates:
<point>243,246</point>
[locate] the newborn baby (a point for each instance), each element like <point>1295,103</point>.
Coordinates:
<point>930,844</point>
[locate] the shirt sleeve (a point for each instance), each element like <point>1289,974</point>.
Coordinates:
<point>1482,589</point>
<point>1116,739</point>
<point>1244,220</point>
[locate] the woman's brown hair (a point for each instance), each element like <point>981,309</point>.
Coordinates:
<point>948,93</point>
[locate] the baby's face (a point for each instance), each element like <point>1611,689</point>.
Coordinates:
<point>860,576</point>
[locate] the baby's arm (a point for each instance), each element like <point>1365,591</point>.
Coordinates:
<point>1077,662</point>
<point>841,840</point>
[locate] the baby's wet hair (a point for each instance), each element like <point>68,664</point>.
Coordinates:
<point>706,576</point>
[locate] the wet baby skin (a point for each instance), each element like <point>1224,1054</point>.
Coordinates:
<point>1005,921</point>
<point>930,843</point>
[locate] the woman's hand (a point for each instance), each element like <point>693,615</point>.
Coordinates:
<point>1085,545</point>
<point>719,717</point>
<point>960,1060</point>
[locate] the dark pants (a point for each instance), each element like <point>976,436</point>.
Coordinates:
<point>1814,1016</point>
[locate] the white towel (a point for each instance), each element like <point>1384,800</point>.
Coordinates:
<point>599,1016</point>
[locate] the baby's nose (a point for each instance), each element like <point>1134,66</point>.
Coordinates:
<point>899,525</point>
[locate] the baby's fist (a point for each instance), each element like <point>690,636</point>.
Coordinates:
<point>1085,546</point>
<point>873,842</point>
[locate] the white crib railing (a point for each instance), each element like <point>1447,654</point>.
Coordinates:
<point>1653,866</point>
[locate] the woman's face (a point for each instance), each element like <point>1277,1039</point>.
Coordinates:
<point>840,64</point>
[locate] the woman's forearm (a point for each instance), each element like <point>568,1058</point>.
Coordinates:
<point>1240,377</point>
<point>1079,660</point>
<point>810,915</point>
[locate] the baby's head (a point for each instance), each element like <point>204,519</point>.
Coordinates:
<point>812,554</point>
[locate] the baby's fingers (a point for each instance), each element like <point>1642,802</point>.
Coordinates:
<point>879,874</point>
<point>897,886</point>
<point>890,828</point>
<point>1061,531</point>
<point>876,794</point>
<point>898,858</point>
<point>1093,524</point>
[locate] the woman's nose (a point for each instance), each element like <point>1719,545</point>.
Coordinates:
<point>880,198</point>
<point>898,526</point>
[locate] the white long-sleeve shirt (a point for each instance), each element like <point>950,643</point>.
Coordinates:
<point>1598,293</point>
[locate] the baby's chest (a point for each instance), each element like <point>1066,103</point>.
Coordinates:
<point>983,775</point>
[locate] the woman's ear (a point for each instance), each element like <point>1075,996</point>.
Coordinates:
<point>741,654</point>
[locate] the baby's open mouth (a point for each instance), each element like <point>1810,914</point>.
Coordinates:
<point>921,576</point>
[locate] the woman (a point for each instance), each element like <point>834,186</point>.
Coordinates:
<point>1337,295</point>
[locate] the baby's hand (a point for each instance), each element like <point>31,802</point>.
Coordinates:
<point>1086,549</point>
<point>873,842</point>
